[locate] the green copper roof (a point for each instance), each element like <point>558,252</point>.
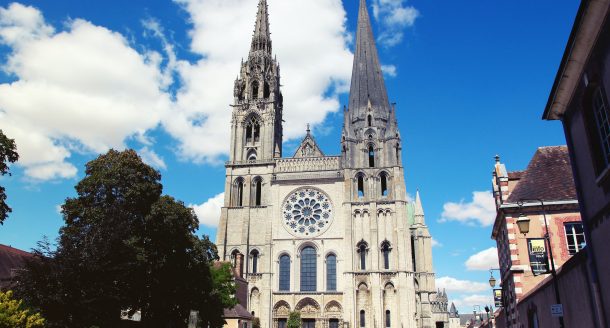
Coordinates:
<point>410,214</point>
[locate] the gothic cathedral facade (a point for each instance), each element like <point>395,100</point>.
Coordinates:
<point>333,237</point>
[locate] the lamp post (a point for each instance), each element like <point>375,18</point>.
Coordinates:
<point>488,309</point>
<point>474,310</point>
<point>523,223</point>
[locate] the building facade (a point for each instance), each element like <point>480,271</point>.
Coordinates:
<point>333,237</point>
<point>544,188</point>
<point>579,98</point>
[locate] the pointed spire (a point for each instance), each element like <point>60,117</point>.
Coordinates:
<point>453,313</point>
<point>418,209</point>
<point>261,39</point>
<point>367,79</point>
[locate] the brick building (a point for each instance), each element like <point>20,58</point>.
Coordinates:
<point>545,187</point>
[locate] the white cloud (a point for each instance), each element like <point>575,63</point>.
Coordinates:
<point>467,302</point>
<point>481,210</point>
<point>435,243</point>
<point>394,16</point>
<point>313,57</point>
<point>389,70</point>
<point>85,89</point>
<point>460,286</point>
<point>151,158</point>
<point>209,211</point>
<point>79,90</point>
<point>483,260</point>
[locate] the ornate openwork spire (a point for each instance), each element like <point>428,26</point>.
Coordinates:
<point>261,39</point>
<point>367,79</point>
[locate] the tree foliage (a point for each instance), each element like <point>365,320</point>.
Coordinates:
<point>125,247</point>
<point>294,320</point>
<point>8,154</point>
<point>13,314</point>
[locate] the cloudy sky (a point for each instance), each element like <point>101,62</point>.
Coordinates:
<point>470,79</point>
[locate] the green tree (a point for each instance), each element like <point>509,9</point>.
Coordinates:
<point>124,246</point>
<point>8,154</point>
<point>256,322</point>
<point>294,320</point>
<point>13,314</point>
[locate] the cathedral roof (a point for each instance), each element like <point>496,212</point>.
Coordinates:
<point>308,147</point>
<point>367,84</point>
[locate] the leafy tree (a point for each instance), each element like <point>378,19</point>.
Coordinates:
<point>13,314</point>
<point>256,322</point>
<point>124,246</point>
<point>8,154</point>
<point>222,276</point>
<point>294,320</point>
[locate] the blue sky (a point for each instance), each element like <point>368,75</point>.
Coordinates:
<point>470,80</point>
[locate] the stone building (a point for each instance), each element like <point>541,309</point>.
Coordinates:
<point>333,237</point>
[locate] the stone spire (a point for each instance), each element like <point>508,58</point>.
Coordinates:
<point>453,313</point>
<point>418,210</point>
<point>261,39</point>
<point>367,86</point>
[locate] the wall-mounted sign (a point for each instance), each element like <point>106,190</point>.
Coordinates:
<point>557,310</point>
<point>538,255</point>
<point>498,297</point>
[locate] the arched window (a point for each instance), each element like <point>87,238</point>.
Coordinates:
<point>369,120</point>
<point>266,91</point>
<point>371,156</point>
<point>257,191</point>
<point>384,184</point>
<point>385,250</point>
<point>249,132</point>
<point>362,254</point>
<point>331,272</point>
<point>252,155</point>
<point>413,257</point>
<point>257,131</point>
<point>388,320</point>
<point>254,255</point>
<point>255,90</point>
<point>308,269</point>
<point>238,192</point>
<point>284,273</point>
<point>360,185</point>
<point>253,130</point>
<point>362,316</point>
<point>237,260</point>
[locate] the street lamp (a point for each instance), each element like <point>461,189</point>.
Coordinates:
<point>523,223</point>
<point>492,280</point>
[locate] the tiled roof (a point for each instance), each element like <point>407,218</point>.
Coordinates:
<point>548,176</point>
<point>515,175</point>
<point>237,312</point>
<point>10,260</point>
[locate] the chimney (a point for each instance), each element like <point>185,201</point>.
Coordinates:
<point>239,265</point>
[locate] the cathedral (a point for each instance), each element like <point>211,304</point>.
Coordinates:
<point>332,237</point>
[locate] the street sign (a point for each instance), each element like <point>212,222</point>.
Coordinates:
<point>557,310</point>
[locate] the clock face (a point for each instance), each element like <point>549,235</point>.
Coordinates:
<point>307,212</point>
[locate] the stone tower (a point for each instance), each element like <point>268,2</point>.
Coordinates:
<point>333,237</point>
<point>256,125</point>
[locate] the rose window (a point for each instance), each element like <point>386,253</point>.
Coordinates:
<point>307,212</point>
